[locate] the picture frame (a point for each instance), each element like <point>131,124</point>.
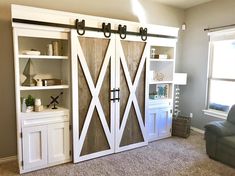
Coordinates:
<point>162,91</point>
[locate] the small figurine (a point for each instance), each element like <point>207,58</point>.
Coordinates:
<point>29,72</point>
<point>54,101</point>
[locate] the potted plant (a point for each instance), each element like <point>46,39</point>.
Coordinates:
<point>29,103</point>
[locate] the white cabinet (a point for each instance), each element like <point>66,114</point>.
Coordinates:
<point>34,147</point>
<point>45,145</point>
<point>159,122</point>
<point>58,142</point>
<point>45,135</point>
<point>45,140</point>
<point>160,88</point>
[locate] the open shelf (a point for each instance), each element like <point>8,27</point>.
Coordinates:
<point>161,72</point>
<point>168,51</point>
<point>44,87</point>
<point>42,57</point>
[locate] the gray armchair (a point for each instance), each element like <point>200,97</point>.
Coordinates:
<point>220,139</point>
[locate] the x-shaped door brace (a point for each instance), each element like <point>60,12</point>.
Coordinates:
<point>95,90</point>
<point>132,90</point>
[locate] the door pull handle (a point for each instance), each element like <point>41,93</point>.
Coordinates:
<point>113,91</point>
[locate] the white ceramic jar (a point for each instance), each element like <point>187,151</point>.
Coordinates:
<point>37,102</point>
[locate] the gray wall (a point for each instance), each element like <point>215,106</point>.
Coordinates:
<point>195,54</point>
<point>120,9</point>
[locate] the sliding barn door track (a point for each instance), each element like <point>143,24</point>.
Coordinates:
<point>106,29</point>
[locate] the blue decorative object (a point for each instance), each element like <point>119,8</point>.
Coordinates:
<point>219,107</point>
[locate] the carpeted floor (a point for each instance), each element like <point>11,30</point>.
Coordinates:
<point>169,157</point>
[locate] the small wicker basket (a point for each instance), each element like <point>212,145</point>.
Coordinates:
<point>181,126</point>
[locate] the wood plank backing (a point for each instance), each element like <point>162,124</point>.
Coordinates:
<point>132,133</point>
<point>94,50</point>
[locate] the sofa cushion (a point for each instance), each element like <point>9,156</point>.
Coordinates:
<point>228,141</point>
<point>231,115</point>
<point>221,128</point>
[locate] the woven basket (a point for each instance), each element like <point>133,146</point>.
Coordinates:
<point>181,126</point>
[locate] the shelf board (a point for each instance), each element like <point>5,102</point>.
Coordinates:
<point>42,57</point>
<point>45,111</point>
<point>160,82</point>
<point>161,60</point>
<point>159,99</point>
<point>44,87</point>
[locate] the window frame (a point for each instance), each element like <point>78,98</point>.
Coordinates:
<point>217,36</point>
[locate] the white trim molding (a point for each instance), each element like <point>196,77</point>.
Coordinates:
<point>61,17</point>
<point>214,113</point>
<point>7,159</point>
<point>197,130</point>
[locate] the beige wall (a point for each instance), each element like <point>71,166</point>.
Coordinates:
<point>120,9</point>
<point>195,54</point>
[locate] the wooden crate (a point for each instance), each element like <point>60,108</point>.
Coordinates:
<point>181,126</point>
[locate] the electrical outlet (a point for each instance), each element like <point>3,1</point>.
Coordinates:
<point>191,115</point>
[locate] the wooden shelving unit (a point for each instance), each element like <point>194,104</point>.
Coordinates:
<point>40,133</point>
<point>160,88</point>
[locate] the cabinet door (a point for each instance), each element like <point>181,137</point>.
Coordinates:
<point>164,121</point>
<point>152,128</point>
<point>58,142</point>
<point>159,122</point>
<point>34,147</point>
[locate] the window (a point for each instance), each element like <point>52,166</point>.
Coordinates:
<point>221,75</point>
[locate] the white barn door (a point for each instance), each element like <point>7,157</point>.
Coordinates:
<point>131,58</point>
<point>99,65</point>
<point>93,78</point>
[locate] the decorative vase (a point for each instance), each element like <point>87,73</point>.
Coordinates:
<point>23,105</point>
<point>29,109</point>
<point>39,82</point>
<point>38,102</point>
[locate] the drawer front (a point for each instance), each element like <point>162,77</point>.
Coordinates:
<point>160,104</point>
<point>44,120</point>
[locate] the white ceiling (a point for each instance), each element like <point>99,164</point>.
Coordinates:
<point>184,4</point>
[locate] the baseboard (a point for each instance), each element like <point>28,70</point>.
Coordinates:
<point>198,130</point>
<point>7,159</point>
